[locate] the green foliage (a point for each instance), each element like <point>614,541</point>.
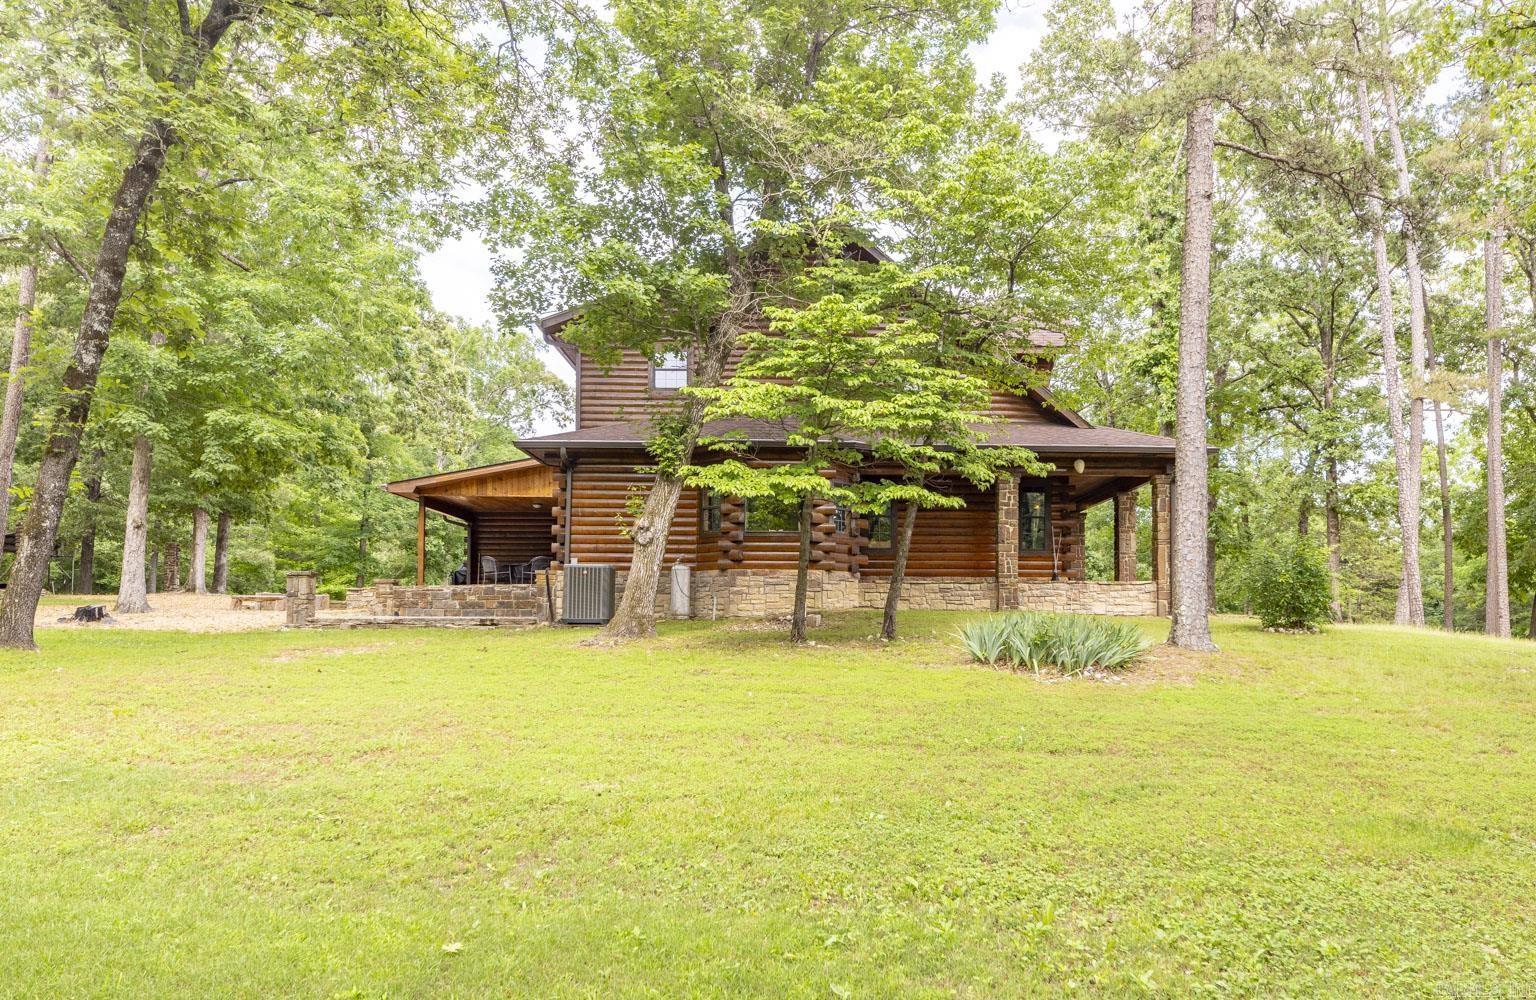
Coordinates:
<point>1071,644</point>
<point>1288,585</point>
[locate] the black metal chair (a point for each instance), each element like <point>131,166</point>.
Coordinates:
<point>528,572</point>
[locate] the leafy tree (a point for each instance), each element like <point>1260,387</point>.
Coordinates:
<point>194,105</point>
<point>710,132</point>
<point>859,376</point>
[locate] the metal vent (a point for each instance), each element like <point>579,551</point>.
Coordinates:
<point>588,594</point>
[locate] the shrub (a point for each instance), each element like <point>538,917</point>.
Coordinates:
<point>1288,586</point>
<point>1069,643</point>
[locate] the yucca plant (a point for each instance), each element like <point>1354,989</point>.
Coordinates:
<point>1071,644</point>
<point>1025,647</point>
<point>986,639</point>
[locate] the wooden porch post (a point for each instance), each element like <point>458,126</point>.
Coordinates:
<point>1007,569</point>
<point>421,543</point>
<point>1125,537</point>
<point>1162,541</point>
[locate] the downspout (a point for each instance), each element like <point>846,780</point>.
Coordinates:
<point>568,466</point>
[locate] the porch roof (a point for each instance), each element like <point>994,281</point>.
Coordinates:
<point>462,493</point>
<point>1047,439</point>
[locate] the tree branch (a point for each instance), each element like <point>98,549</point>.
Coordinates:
<point>235,261</point>
<point>1328,176</point>
<point>69,258</point>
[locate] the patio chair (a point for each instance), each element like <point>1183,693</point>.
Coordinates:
<point>528,572</point>
<point>488,570</point>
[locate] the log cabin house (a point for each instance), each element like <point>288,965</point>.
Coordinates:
<point>1019,544</point>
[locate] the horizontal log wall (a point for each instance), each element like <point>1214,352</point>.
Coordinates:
<point>947,543</point>
<point>963,542</point>
<point>622,392</point>
<point>599,516</point>
<point>510,537</point>
<point>1018,409</point>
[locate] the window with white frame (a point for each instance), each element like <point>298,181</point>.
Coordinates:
<point>670,370</point>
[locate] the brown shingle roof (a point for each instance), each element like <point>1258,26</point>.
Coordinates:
<point>1038,436</point>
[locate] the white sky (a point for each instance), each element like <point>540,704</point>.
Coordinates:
<point>458,273</point>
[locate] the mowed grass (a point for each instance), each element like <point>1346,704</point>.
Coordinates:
<point>409,813</point>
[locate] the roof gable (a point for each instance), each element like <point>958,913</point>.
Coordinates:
<point>525,477</point>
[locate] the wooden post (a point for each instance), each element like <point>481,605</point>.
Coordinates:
<point>421,543</point>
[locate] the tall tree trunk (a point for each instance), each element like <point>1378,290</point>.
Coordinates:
<point>221,554</point>
<point>1331,536</point>
<point>802,572</point>
<point>1191,627</point>
<point>898,569</point>
<point>1496,613</point>
<point>1411,611</point>
<point>635,617</point>
<point>34,543</point>
<point>85,570</point>
<point>198,570</point>
<point>21,354</point>
<point>1328,350</point>
<point>170,567</point>
<point>1247,540</point>
<point>1417,350</point>
<point>131,596</point>
<point>362,551</point>
<point>1447,531</point>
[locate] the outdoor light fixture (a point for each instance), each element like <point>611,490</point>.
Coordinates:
<point>1078,466</point>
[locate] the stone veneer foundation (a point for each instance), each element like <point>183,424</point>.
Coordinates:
<point>757,594</point>
<point>737,594</point>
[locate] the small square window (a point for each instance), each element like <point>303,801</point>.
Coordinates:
<point>670,370</point>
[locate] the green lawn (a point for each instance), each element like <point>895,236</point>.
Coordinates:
<point>412,813</point>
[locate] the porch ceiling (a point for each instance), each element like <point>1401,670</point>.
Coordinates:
<point>467,508</point>
<point>1087,491</point>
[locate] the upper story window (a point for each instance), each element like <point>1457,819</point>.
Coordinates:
<point>1034,521</point>
<point>670,370</point>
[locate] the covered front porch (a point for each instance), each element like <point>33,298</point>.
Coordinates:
<point>507,511</point>
<point>1042,538</point>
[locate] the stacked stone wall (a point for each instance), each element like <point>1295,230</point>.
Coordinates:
<point>757,594</point>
